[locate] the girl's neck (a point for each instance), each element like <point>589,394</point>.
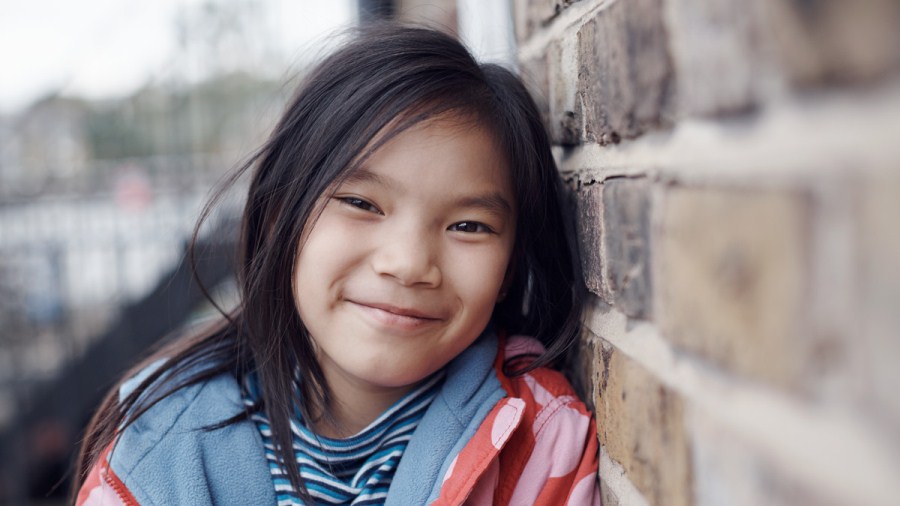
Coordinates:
<point>354,406</point>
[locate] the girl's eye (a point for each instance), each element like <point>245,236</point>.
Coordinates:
<point>359,204</point>
<point>472,227</point>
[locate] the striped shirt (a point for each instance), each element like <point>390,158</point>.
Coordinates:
<point>357,470</point>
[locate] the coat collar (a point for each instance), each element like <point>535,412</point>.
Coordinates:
<point>470,393</point>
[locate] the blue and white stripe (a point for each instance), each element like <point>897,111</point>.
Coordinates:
<point>357,470</point>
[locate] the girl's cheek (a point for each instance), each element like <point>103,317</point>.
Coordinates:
<point>482,270</point>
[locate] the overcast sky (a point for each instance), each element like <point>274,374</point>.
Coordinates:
<point>103,48</point>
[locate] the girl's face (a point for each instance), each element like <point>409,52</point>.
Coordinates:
<point>401,271</point>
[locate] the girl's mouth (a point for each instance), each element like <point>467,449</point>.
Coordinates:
<point>388,315</point>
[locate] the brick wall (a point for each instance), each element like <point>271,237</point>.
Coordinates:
<point>735,167</point>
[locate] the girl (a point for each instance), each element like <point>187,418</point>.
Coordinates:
<point>402,232</point>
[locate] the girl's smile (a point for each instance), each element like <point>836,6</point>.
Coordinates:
<point>395,318</point>
<point>401,271</point>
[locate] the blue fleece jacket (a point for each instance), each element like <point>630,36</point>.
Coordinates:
<point>166,457</point>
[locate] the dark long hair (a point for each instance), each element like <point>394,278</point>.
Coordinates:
<point>387,78</point>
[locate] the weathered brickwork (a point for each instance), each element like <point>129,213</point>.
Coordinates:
<point>614,240</point>
<point>626,241</point>
<point>640,424</point>
<point>589,206</point>
<point>636,66</point>
<point>737,199</point>
<point>731,268</point>
<point>624,70</point>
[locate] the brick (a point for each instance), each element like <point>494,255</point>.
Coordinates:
<point>835,40</point>
<point>730,269</point>
<point>879,269</point>
<point>626,243</point>
<point>719,55</point>
<point>589,215</point>
<point>640,423</point>
<point>624,71</point>
<point>614,240</point>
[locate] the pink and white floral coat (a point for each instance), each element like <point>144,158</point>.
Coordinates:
<point>537,446</point>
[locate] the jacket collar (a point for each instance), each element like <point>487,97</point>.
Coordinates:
<point>471,389</point>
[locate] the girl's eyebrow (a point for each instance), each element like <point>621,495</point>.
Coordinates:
<point>492,202</point>
<point>363,175</point>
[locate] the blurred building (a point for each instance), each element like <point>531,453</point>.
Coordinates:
<point>44,144</point>
<point>98,202</point>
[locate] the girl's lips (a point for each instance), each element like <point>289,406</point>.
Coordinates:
<point>396,317</point>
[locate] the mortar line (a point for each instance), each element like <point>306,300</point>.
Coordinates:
<point>777,145</point>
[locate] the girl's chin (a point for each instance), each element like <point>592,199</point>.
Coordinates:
<point>395,376</point>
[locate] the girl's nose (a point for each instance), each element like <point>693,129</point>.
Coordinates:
<point>408,256</point>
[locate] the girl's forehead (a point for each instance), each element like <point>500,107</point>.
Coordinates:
<point>464,129</point>
<point>462,141</point>
<point>444,124</point>
<point>462,159</point>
